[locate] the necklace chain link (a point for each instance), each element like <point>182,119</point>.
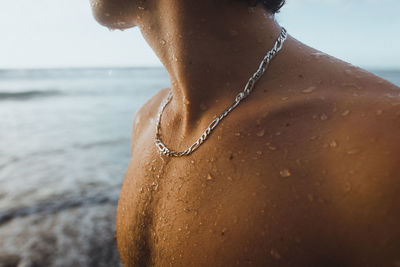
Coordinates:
<point>242,95</point>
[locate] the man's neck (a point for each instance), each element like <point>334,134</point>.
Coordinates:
<point>210,49</point>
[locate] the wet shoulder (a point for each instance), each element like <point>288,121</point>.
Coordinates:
<point>314,123</point>
<point>145,116</point>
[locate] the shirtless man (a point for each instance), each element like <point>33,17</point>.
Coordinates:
<point>304,172</point>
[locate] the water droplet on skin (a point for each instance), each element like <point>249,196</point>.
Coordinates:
<point>351,85</point>
<point>333,144</point>
<point>389,95</point>
<point>348,71</point>
<point>141,8</point>
<point>323,117</point>
<point>192,161</point>
<point>163,42</point>
<point>141,190</point>
<point>309,90</point>
<point>285,173</point>
<point>352,152</point>
<point>209,177</point>
<point>318,55</point>
<point>379,112</point>
<point>261,133</point>
<point>237,134</point>
<point>275,254</point>
<point>285,98</point>
<point>271,147</point>
<point>278,133</point>
<point>345,113</point>
<point>259,152</point>
<point>312,138</point>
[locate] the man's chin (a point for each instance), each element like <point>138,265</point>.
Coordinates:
<point>109,16</point>
<point>112,22</point>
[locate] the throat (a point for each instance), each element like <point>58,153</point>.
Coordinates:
<point>209,62</point>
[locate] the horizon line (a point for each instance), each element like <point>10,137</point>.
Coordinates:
<point>375,68</point>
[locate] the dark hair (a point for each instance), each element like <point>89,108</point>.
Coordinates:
<point>272,5</point>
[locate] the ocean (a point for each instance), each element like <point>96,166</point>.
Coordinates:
<point>64,145</point>
<point>68,130</point>
<point>64,150</point>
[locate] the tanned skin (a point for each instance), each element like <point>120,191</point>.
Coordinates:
<point>305,172</point>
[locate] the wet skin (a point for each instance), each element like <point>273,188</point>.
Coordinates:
<point>305,172</point>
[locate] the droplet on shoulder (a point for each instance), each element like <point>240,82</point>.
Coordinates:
<point>275,254</point>
<point>379,112</point>
<point>209,177</point>
<point>333,144</point>
<point>271,147</point>
<point>345,113</point>
<point>323,117</point>
<point>309,90</point>
<point>318,55</point>
<point>261,133</point>
<point>285,173</point>
<point>351,85</point>
<point>352,152</point>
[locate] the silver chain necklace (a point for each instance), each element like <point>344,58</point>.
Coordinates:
<point>242,95</point>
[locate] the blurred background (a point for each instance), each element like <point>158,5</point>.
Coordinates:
<point>69,89</point>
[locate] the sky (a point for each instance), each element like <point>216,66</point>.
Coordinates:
<point>63,33</point>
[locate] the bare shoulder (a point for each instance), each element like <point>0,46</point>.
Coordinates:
<point>146,113</point>
<point>328,143</point>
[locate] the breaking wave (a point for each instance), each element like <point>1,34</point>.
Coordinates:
<point>26,95</point>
